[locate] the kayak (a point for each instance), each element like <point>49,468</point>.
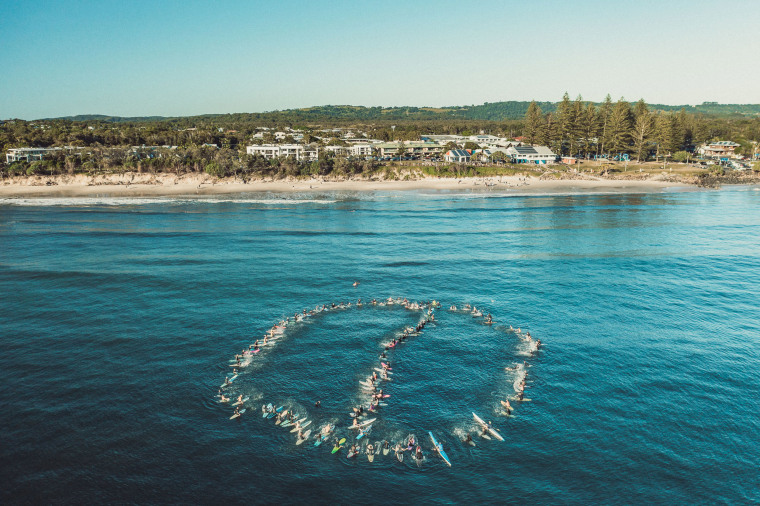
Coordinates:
<point>491,430</point>
<point>439,448</point>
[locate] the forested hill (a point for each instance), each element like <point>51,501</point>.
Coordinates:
<point>494,111</point>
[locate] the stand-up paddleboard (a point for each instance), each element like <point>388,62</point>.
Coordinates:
<point>302,426</point>
<point>439,448</point>
<point>336,449</point>
<point>236,415</point>
<point>305,437</point>
<point>238,403</point>
<point>363,424</point>
<point>491,430</point>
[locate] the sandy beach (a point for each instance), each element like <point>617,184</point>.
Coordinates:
<point>142,185</point>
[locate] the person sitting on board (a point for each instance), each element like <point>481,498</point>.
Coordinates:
<point>224,399</point>
<point>355,423</point>
<point>484,432</point>
<point>418,453</point>
<point>226,380</point>
<point>370,449</point>
<point>237,410</point>
<point>240,399</point>
<point>317,404</point>
<point>300,435</point>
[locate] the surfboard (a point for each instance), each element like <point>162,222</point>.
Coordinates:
<point>371,457</point>
<point>382,370</point>
<point>236,415</point>
<point>305,437</point>
<point>400,456</point>
<point>363,424</point>
<point>364,433</point>
<point>302,426</point>
<point>238,403</point>
<point>340,445</point>
<point>265,412</point>
<point>289,422</point>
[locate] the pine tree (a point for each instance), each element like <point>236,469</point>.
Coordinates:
<point>533,122</point>
<point>604,118</point>
<point>590,128</point>
<point>576,125</point>
<point>642,129</point>
<point>663,134</point>
<point>619,128</point>
<point>564,121</point>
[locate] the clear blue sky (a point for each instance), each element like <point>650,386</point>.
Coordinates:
<point>134,58</point>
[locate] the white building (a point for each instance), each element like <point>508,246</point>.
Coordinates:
<point>297,151</point>
<point>457,155</point>
<point>360,150</point>
<point>411,149</point>
<point>531,154</point>
<point>718,149</point>
<point>29,154</point>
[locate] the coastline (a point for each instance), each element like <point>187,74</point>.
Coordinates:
<point>165,185</point>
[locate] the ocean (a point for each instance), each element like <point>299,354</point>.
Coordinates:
<point>120,317</point>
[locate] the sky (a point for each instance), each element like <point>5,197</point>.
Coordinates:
<point>166,58</point>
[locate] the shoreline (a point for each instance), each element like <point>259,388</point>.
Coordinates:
<point>165,185</point>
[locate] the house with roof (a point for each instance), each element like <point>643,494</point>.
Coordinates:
<point>297,151</point>
<point>718,149</point>
<point>540,155</point>
<point>457,155</point>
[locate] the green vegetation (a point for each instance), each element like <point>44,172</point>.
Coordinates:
<point>105,144</point>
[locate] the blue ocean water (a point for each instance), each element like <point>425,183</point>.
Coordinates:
<point>119,318</point>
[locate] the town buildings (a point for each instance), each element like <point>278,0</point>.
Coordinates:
<point>297,151</point>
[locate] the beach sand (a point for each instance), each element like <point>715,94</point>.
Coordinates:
<point>169,185</point>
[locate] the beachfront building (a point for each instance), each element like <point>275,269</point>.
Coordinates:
<point>29,154</point>
<point>531,154</point>
<point>718,149</point>
<point>360,150</point>
<point>457,155</point>
<point>297,151</point>
<point>411,149</point>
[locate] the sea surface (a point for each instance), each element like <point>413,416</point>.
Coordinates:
<point>119,318</point>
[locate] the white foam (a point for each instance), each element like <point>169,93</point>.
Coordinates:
<point>141,201</point>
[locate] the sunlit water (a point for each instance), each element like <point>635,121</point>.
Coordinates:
<point>119,318</point>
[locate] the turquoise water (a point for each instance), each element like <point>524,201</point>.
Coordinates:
<point>119,318</point>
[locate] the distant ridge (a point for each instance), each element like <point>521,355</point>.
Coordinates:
<point>494,111</point>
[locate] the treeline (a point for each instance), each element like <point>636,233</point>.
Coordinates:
<point>584,129</point>
<point>223,162</point>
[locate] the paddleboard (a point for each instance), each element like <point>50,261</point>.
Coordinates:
<point>439,447</point>
<point>305,437</point>
<point>363,424</point>
<point>236,415</point>
<point>484,424</point>
<point>238,403</point>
